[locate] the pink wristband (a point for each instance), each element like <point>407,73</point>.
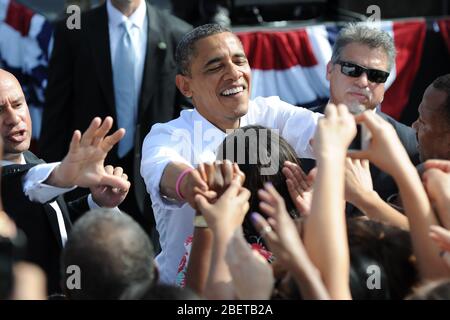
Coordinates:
<point>180,178</point>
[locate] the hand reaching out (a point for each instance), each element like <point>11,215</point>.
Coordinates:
<point>385,149</point>
<point>334,132</point>
<point>279,230</point>
<point>228,212</point>
<point>110,197</point>
<point>299,186</point>
<point>357,179</point>
<point>443,165</point>
<point>441,236</point>
<point>84,163</point>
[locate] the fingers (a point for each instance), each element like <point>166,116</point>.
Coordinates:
<point>201,170</point>
<point>115,182</point>
<point>202,203</point>
<point>294,173</point>
<point>312,175</point>
<point>227,172</point>
<point>271,201</point>
<point>263,227</point>
<point>239,173</point>
<point>330,111</point>
<point>363,154</point>
<point>443,165</point>
<point>75,142</point>
<point>89,134</point>
<point>109,142</point>
<point>441,236</point>
<point>234,189</point>
<point>7,226</point>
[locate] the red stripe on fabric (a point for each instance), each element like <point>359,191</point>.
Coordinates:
<point>444,27</point>
<point>409,38</point>
<point>19,17</point>
<point>278,50</point>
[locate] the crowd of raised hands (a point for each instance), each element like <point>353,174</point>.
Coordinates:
<point>306,257</point>
<point>311,253</point>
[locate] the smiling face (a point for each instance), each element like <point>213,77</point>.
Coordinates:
<point>219,80</point>
<point>15,121</point>
<point>349,90</point>
<point>432,127</point>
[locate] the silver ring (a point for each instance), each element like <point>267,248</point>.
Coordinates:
<point>265,230</point>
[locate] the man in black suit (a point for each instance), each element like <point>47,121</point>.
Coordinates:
<point>361,60</point>
<point>31,189</point>
<point>120,63</point>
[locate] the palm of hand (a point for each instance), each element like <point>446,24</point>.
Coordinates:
<point>85,166</point>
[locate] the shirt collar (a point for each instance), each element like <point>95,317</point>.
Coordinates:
<point>7,163</point>
<point>115,17</point>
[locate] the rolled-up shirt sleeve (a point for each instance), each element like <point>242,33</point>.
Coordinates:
<point>163,145</point>
<point>35,188</point>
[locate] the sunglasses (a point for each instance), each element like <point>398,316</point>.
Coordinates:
<point>355,71</point>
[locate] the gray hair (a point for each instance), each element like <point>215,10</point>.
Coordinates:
<point>363,34</point>
<point>186,47</point>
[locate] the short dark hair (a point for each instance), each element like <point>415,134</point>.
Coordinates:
<point>113,253</point>
<point>186,47</point>
<point>443,83</point>
<point>389,248</point>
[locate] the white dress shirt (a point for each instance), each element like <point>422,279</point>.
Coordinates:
<point>192,139</point>
<point>138,35</point>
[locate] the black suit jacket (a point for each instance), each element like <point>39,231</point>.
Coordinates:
<point>38,221</point>
<point>382,182</point>
<point>80,85</point>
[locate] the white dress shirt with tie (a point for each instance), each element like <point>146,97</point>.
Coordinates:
<point>138,32</point>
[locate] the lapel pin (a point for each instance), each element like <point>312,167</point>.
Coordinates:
<point>162,45</point>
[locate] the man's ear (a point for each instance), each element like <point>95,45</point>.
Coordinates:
<point>183,84</point>
<point>329,69</point>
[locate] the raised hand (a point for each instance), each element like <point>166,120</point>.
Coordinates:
<point>279,230</point>
<point>299,186</point>
<point>443,165</point>
<point>84,163</point>
<point>228,212</point>
<point>334,132</point>
<point>441,237</point>
<point>110,197</point>
<point>385,149</point>
<point>357,179</point>
<point>437,186</point>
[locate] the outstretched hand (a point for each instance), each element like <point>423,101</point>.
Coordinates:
<point>279,231</point>
<point>228,211</point>
<point>299,186</point>
<point>110,197</point>
<point>83,165</point>
<point>357,179</point>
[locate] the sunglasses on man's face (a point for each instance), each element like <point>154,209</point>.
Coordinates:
<point>355,71</point>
